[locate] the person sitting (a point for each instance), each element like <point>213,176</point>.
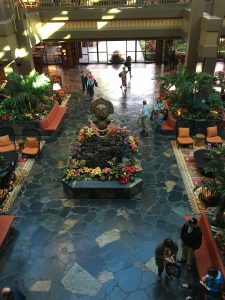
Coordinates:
<point>211,284</point>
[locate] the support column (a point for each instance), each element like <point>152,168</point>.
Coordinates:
<point>158,52</point>
<point>3,13</point>
<point>218,10</point>
<point>24,53</point>
<point>197,8</point>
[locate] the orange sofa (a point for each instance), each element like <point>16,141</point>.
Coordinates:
<point>168,125</point>
<point>208,254</point>
<point>5,226</point>
<point>53,119</point>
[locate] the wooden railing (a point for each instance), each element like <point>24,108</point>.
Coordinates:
<point>113,3</point>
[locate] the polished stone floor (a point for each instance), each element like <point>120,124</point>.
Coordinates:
<point>69,249</point>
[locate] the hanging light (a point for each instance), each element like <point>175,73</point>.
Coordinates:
<point>29,3</point>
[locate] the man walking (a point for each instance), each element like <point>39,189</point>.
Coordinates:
<point>145,115</point>
<point>191,237</point>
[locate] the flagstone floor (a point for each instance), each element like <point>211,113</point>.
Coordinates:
<point>70,249</point>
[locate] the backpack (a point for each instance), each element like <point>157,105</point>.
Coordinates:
<point>90,83</point>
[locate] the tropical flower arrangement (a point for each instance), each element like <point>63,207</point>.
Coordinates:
<point>104,158</point>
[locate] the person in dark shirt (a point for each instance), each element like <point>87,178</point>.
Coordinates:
<point>128,64</point>
<point>165,252</point>
<point>12,294</point>
<point>83,79</point>
<point>191,237</point>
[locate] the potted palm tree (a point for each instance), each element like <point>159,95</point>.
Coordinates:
<point>215,186</point>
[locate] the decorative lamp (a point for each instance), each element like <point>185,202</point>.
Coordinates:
<point>29,3</point>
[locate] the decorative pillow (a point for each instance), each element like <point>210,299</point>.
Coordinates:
<point>212,131</point>
<point>32,142</point>
<point>184,132</point>
<point>4,140</point>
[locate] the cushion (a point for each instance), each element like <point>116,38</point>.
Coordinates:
<point>212,131</point>
<point>185,140</point>
<point>4,140</point>
<point>32,142</point>
<point>30,151</point>
<point>8,148</point>
<point>214,140</point>
<point>184,132</point>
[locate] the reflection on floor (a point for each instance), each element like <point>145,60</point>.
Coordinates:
<point>67,249</point>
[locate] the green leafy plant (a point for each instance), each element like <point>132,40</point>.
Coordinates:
<point>116,58</point>
<point>24,96</point>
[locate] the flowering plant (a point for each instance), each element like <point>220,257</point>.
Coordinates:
<point>111,157</point>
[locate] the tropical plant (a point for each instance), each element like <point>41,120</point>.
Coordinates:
<point>116,58</point>
<point>194,92</point>
<point>216,184</point>
<point>24,95</point>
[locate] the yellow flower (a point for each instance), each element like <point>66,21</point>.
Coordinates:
<point>87,170</point>
<point>96,171</point>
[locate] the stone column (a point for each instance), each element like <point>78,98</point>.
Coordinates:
<point>194,28</point>
<point>218,10</point>
<point>24,56</point>
<point>3,12</point>
<point>158,52</point>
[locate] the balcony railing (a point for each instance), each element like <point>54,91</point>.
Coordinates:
<point>113,3</point>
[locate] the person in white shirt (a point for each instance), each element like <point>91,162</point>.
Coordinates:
<point>145,115</point>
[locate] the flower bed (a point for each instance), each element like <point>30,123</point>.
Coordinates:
<point>112,157</point>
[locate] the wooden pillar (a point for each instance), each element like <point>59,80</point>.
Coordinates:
<point>158,52</point>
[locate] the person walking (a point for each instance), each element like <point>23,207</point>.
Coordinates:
<point>12,294</point>
<point>91,83</point>
<point>145,118</point>
<point>158,119</point>
<point>83,79</point>
<point>191,237</point>
<point>123,76</point>
<point>128,64</point>
<point>172,59</point>
<point>165,252</point>
<point>211,284</point>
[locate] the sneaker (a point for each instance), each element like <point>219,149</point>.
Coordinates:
<point>159,278</point>
<point>184,285</point>
<point>189,298</point>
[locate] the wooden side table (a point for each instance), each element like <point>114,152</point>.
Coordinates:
<point>20,144</point>
<point>200,140</point>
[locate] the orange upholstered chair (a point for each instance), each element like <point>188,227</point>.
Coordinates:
<point>32,141</point>
<point>183,137</point>
<point>7,139</point>
<point>212,136</point>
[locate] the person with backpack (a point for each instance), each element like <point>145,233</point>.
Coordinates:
<point>91,83</point>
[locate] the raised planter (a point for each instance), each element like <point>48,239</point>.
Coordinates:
<point>102,189</point>
<point>18,125</point>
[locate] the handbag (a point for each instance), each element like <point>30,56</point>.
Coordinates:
<point>173,269</point>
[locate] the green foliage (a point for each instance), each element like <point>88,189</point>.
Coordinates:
<point>116,58</point>
<point>193,92</point>
<point>24,95</point>
<point>180,46</point>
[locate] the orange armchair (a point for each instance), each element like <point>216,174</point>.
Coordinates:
<point>32,140</point>
<point>212,136</point>
<point>7,139</point>
<point>183,137</point>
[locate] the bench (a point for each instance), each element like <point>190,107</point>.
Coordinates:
<point>5,226</point>
<point>168,125</point>
<point>207,255</point>
<point>53,119</point>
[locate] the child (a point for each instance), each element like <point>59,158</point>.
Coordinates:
<point>123,76</point>
<point>83,79</point>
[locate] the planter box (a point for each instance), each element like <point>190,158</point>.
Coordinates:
<point>102,189</point>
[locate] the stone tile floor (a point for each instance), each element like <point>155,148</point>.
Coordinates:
<point>69,249</point>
